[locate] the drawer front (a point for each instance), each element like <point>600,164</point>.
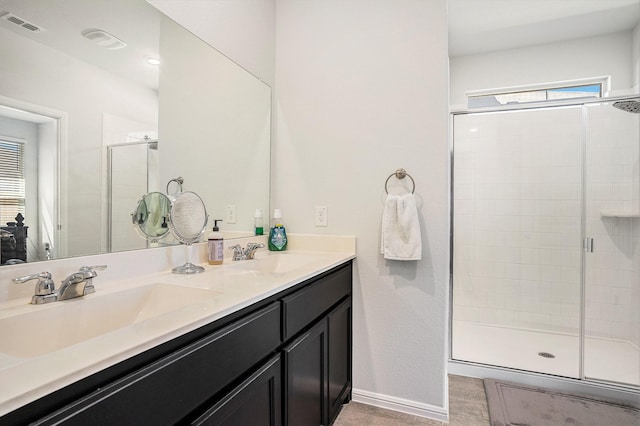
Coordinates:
<point>168,390</point>
<point>304,306</point>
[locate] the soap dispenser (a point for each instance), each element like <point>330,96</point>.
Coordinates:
<point>277,233</point>
<point>216,245</point>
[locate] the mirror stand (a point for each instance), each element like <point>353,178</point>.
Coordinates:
<point>188,267</point>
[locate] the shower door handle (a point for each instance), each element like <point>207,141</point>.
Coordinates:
<point>587,245</point>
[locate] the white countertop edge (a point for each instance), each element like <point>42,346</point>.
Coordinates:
<point>53,378</point>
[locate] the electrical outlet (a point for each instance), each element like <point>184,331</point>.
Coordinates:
<point>231,213</point>
<point>321,216</point>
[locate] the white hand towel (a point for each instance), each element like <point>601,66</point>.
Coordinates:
<point>401,239</point>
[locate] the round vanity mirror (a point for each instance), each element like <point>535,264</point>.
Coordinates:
<point>188,220</point>
<point>151,216</point>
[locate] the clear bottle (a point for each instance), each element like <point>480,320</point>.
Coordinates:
<point>277,233</point>
<point>258,222</point>
<point>215,245</point>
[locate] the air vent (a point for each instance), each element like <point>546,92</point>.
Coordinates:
<point>23,23</point>
<point>104,39</point>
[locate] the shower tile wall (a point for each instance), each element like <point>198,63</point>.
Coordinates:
<point>517,219</point>
<point>613,189</point>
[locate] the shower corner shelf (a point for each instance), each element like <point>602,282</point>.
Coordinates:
<point>620,213</point>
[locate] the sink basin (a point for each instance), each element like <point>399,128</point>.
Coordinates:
<point>66,323</point>
<point>276,263</point>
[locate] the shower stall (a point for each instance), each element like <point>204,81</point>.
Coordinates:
<point>132,171</point>
<point>546,240</point>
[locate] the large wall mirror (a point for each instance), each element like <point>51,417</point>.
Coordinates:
<point>93,124</point>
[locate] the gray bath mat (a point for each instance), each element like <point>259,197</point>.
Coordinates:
<point>512,404</point>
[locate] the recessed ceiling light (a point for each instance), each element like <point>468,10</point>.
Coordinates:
<point>153,61</point>
<point>104,39</point>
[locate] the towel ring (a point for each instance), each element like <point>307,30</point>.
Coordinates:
<point>179,181</point>
<point>400,174</point>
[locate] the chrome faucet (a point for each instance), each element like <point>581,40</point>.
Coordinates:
<point>79,283</point>
<point>45,291</point>
<point>247,253</point>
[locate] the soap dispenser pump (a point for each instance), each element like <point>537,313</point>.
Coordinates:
<point>216,245</point>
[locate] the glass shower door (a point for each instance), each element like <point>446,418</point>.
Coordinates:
<point>517,227</point>
<point>612,261</point>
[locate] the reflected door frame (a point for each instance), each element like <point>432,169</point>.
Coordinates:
<point>59,223</point>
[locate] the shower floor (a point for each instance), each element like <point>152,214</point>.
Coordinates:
<point>605,359</point>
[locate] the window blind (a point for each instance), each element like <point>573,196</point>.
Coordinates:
<point>12,188</point>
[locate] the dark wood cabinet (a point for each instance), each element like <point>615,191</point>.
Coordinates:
<point>318,370</point>
<point>168,390</point>
<point>305,362</point>
<point>339,357</point>
<point>285,360</point>
<point>257,401</point>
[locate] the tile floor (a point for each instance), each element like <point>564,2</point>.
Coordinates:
<point>467,407</point>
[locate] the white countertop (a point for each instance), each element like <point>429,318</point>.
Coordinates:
<point>232,287</point>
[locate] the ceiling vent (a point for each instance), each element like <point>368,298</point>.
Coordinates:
<point>29,26</point>
<point>104,39</point>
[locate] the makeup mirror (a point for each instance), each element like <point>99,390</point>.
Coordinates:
<point>188,220</point>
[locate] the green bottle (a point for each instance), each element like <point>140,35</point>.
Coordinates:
<point>277,233</point>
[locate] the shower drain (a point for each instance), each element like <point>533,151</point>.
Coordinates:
<point>546,355</point>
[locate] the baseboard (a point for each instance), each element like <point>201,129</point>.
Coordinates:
<point>402,405</point>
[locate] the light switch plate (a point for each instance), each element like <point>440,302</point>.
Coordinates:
<point>231,213</point>
<point>321,216</point>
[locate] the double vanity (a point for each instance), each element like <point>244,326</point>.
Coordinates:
<point>262,341</point>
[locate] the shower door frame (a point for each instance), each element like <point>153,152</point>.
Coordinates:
<point>604,389</point>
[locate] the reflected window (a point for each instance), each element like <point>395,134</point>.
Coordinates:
<point>12,187</point>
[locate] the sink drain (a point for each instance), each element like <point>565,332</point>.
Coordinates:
<point>546,355</point>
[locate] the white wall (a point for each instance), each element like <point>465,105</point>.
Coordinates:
<point>589,57</point>
<point>361,90</point>
<point>242,30</point>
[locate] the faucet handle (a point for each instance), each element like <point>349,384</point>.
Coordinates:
<point>93,268</point>
<point>45,291</point>
<point>90,271</point>
<point>251,249</point>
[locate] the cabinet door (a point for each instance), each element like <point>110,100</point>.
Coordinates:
<point>305,361</point>
<point>339,322</point>
<point>257,401</point>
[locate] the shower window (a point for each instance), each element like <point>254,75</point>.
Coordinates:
<point>536,93</point>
